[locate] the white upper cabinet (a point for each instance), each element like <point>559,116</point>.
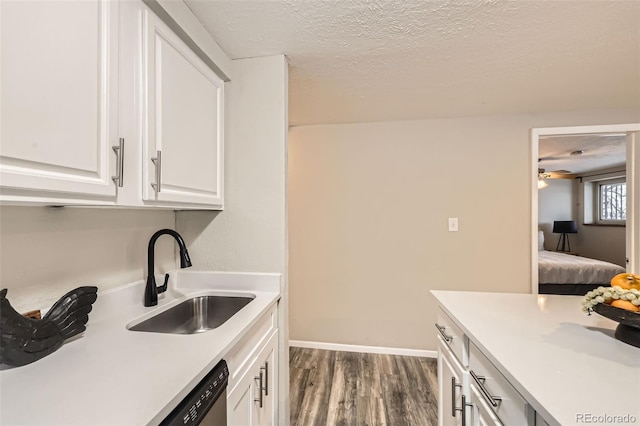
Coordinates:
<point>58,115</point>
<point>183,121</point>
<point>84,81</point>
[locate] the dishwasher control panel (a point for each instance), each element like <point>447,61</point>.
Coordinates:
<point>194,408</point>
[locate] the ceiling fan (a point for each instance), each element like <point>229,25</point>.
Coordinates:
<point>556,174</point>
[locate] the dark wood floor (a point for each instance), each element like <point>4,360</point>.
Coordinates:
<point>347,388</point>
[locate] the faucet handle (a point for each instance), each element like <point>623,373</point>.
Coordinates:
<point>163,287</point>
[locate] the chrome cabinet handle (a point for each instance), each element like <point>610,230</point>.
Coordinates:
<point>444,335</point>
<point>453,396</point>
<point>259,399</point>
<point>266,378</point>
<point>118,179</point>
<point>463,408</point>
<point>493,400</point>
<point>465,404</point>
<point>157,160</point>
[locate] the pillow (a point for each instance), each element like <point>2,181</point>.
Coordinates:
<point>540,240</point>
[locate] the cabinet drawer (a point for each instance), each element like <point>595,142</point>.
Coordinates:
<point>510,407</point>
<point>482,413</point>
<point>246,349</point>
<point>453,337</point>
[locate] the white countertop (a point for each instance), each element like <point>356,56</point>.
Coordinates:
<point>112,376</point>
<point>562,361</point>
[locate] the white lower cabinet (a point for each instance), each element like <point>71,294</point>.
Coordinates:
<point>252,397</point>
<point>453,388</point>
<point>501,397</point>
<point>254,400</point>
<point>472,390</point>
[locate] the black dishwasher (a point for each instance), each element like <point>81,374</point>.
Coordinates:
<point>206,404</point>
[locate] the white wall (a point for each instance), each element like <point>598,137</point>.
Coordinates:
<point>556,202</point>
<point>45,252</point>
<point>368,209</point>
<point>603,242</point>
<point>250,234</point>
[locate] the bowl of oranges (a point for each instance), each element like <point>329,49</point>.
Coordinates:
<point>620,303</point>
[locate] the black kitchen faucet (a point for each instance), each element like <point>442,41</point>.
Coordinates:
<point>151,290</point>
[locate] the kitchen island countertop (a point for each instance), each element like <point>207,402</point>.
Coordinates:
<point>565,363</point>
<point>113,376</point>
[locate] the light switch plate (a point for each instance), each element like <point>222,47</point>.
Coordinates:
<point>453,224</point>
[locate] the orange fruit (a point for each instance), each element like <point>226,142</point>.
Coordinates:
<point>625,304</point>
<point>626,281</point>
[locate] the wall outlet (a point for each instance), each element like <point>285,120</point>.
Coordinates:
<point>453,224</point>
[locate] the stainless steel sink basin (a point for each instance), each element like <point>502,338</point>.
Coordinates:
<point>195,315</point>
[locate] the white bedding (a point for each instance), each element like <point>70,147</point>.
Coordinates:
<point>561,268</point>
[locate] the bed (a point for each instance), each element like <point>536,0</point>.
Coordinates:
<point>562,273</point>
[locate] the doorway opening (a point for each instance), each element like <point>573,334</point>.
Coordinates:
<point>555,170</point>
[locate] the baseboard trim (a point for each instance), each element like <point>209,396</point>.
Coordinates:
<point>363,349</point>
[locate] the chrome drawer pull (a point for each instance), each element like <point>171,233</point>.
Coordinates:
<point>493,400</point>
<point>444,335</point>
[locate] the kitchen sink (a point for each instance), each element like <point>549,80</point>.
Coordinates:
<point>195,315</point>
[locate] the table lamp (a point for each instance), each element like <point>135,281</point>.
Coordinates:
<point>564,227</point>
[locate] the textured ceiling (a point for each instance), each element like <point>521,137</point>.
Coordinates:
<point>599,151</point>
<point>381,60</point>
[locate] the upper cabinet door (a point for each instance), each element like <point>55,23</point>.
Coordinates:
<point>183,129</point>
<point>58,100</point>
